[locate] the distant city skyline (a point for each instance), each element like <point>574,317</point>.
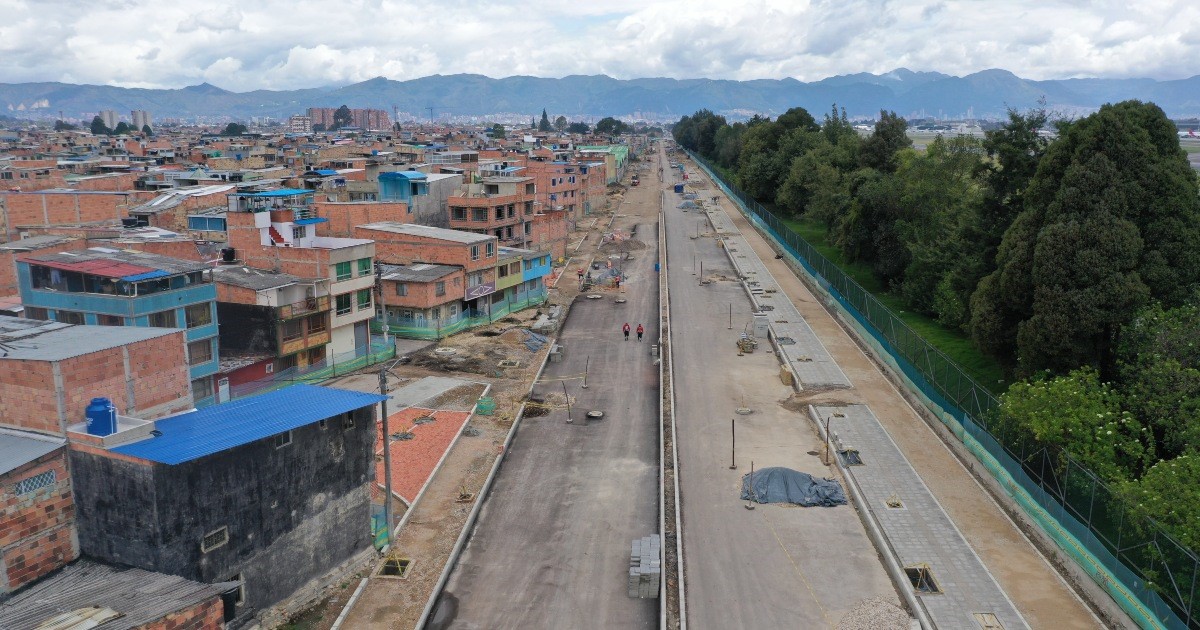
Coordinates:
<point>302,44</point>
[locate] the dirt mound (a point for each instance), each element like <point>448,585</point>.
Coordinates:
<point>627,245</point>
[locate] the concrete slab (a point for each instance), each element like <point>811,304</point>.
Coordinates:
<point>552,545</point>
<point>775,566</point>
<point>414,394</point>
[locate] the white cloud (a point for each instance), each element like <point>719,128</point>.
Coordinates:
<point>277,44</point>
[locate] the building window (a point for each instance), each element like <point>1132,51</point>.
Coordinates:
<point>343,304</point>
<point>162,319</point>
<point>508,232</point>
<point>491,249</point>
<point>69,317</point>
<point>439,289</point>
<point>200,352</point>
<point>282,440</point>
<point>316,355</point>
<point>453,310</point>
<point>364,299</point>
<point>502,271</point>
<point>239,596</point>
<point>214,539</point>
<point>198,315</point>
<point>401,289</point>
<point>364,266</point>
<point>348,420</point>
<point>288,362</point>
<point>499,212</point>
<point>528,208</point>
<point>292,330</point>
<point>343,271</point>
<point>316,323</point>
<point>35,483</point>
<point>474,252</point>
<point>299,232</point>
<point>36,312</point>
<point>202,388</point>
<point>479,214</point>
<point>324,424</point>
<point>458,214</point>
<point>110,320</point>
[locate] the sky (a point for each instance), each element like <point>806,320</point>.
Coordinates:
<point>274,44</point>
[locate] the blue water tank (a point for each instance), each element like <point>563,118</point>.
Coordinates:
<point>101,417</point>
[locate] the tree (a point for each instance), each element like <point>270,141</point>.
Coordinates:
<point>1169,494</point>
<point>98,127</point>
<point>60,125</point>
<point>1158,364</point>
<point>147,130</point>
<point>1081,415</point>
<point>544,123</point>
<point>533,123</point>
<point>560,124</point>
<point>123,128</point>
<point>1111,219</point>
<point>234,129</point>
<point>342,117</point>
<point>611,126</point>
<point>578,127</point>
<point>880,148</point>
<point>498,131</point>
<point>318,127</point>
<point>396,128</point>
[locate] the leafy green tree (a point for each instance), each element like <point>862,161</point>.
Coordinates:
<point>578,127</point>
<point>233,129</point>
<point>611,126</point>
<point>147,130</point>
<point>1081,415</point>
<point>1111,219</point>
<point>1169,494</point>
<point>727,144</point>
<point>560,124</point>
<point>98,127</point>
<point>1158,363</point>
<point>544,123</point>
<point>319,127</point>
<point>121,129</point>
<point>396,128</point>
<point>61,125</point>
<point>880,148</point>
<point>342,117</point>
<point>498,131</point>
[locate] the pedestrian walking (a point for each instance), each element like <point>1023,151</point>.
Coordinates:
<point>625,329</point>
<point>640,330</point>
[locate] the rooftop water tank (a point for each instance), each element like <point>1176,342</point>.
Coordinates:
<point>101,417</point>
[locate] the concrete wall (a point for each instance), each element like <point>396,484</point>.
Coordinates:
<point>37,533</point>
<point>293,513</point>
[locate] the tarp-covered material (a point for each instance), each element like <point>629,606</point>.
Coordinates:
<point>689,204</point>
<point>689,195</point>
<point>784,485</point>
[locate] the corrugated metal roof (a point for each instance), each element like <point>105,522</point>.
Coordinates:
<point>36,340</point>
<point>250,278</point>
<point>416,273</point>
<point>221,427</point>
<point>103,261</point>
<point>104,268</point>
<point>413,229</point>
<point>282,192</point>
<point>140,596</point>
<point>18,448</point>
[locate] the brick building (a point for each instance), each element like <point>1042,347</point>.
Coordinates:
<point>37,512</point>
<point>22,210</point>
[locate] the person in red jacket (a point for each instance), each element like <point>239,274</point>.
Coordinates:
<point>625,329</point>
<point>640,330</point>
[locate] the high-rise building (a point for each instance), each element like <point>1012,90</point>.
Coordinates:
<point>140,118</point>
<point>110,118</point>
<point>299,124</point>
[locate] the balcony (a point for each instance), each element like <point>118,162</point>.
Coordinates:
<point>311,340</point>
<point>304,307</point>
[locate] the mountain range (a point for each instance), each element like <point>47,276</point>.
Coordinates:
<point>985,94</point>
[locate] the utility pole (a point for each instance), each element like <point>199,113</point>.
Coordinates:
<point>387,455</point>
<point>568,400</point>
<point>733,444</point>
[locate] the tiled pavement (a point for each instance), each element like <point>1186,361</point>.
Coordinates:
<point>413,461</point>
<point>919,532</point>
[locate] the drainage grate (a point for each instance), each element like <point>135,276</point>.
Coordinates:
<point>785,341</point>
<point>921,578</point>
<point>403,435</point>
<point>395,568</point>
<point>424,420</point>
<point>988,621</point>
<point>509,363</point>
<point>765,307</point>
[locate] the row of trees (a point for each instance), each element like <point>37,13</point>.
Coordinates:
<point>1074,262</point>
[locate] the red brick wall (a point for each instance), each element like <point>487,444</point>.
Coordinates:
<point>344,216</point>
<point>403,249</point>
<point>298,261</point>
<point>424,294</point>
<point>114,182</point>
<point>34,209</point>
<point>183,248</point>
<point>27,389</point>
<point>549,233</point>
<point>207,615</point>
<point>36,529</point>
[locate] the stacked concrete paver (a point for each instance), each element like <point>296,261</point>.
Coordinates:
<point>645,571</point>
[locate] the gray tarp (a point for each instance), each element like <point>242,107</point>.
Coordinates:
<point>784,485</point>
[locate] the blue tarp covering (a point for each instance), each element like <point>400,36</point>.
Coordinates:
<point>310,221</point>
<point>282,192</point>
<point>228,425</point>
<point>146,276</point>
<point>784,485</point>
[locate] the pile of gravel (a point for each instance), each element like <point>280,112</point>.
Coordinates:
<point>875,613</point>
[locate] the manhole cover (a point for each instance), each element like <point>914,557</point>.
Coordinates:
<point>743,411</point>
<point>594,296</point>
<point>509,363</point>
<point>424,420</point>
<point>403,435</point>
<point>595,415</point>
<point>620,300</point>
<point>445,352</point>
<point>395,567</point>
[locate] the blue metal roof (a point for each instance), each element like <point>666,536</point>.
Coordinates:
<point>221,427</point>
<point>404,174</point>
<point>310,221</point>
<point>325,171</point>
<point>282,192</point>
